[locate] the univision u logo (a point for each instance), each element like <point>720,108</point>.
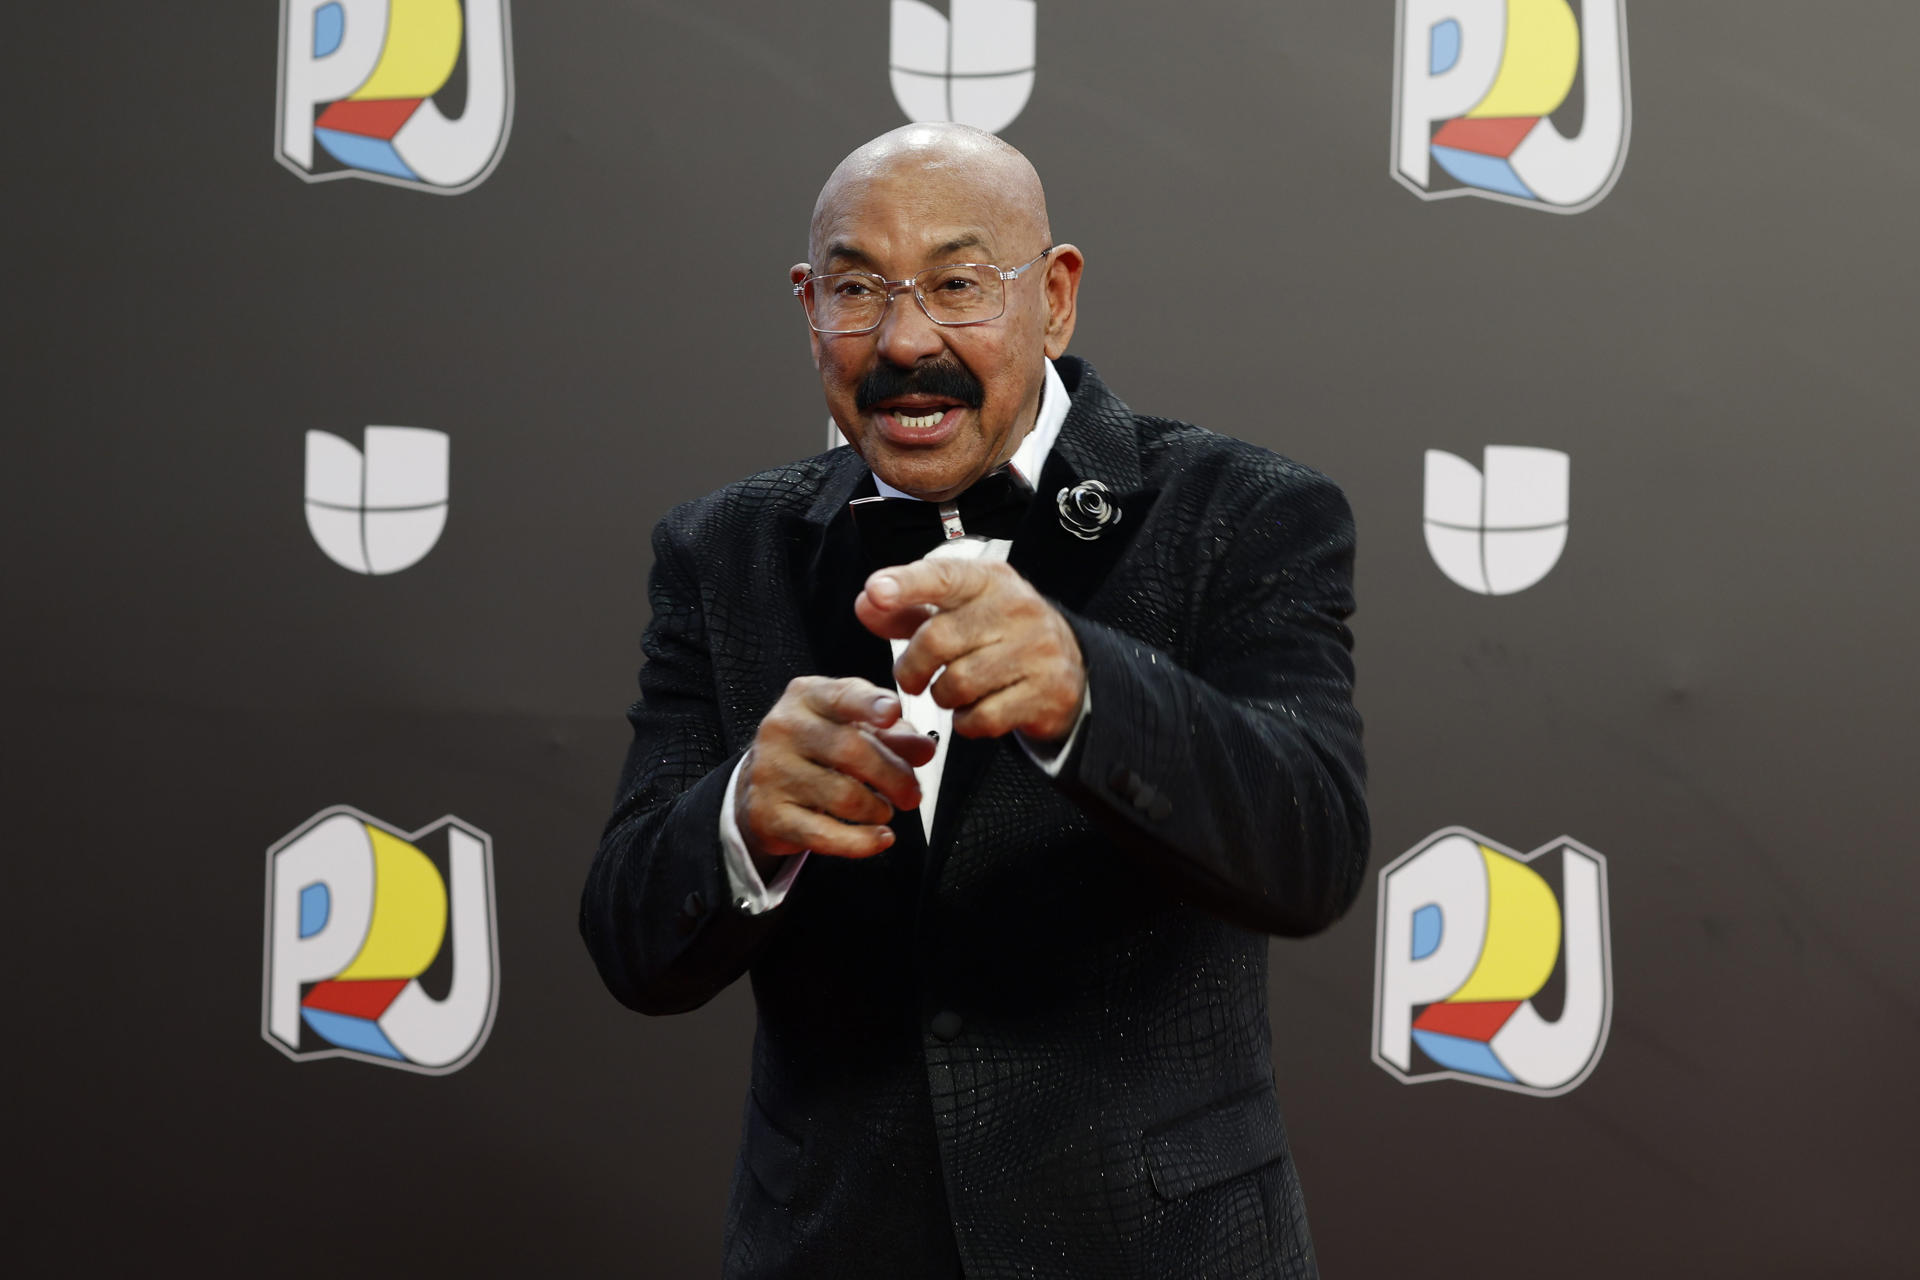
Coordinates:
<point>1502,530</point>
<point>381,509</point>
<point>972,65</point>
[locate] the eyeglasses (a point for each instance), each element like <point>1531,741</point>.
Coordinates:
<point>958,294</point>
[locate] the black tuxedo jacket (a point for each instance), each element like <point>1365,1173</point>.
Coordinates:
<point>1037,1043</point>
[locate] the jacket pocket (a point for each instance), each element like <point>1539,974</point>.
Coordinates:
<point>772,1157</point>
<point>1217,1142</point>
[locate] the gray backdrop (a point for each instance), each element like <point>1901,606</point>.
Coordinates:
<point>1714,687</point>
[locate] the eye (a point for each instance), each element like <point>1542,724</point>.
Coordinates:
<point>956,284</point>
<point>851,288</point>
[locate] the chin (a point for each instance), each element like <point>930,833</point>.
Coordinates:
<point>912,469</point>
<point>923,477</point>
<point>919,481</point>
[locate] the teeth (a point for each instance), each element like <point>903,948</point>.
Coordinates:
<point>921,420</point>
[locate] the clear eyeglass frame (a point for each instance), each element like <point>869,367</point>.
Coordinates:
<point>890,289</point>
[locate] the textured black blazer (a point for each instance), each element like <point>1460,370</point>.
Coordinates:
<point>1036,1044</point>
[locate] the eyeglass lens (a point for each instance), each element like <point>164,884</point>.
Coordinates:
<point>852,301</point>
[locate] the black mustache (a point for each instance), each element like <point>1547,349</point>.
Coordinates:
<point>946,379</point>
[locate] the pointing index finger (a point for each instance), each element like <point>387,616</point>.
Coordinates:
<point>944,584</point>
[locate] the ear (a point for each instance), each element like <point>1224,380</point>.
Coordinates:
<point>797,272</point>
<point>1063,295</point>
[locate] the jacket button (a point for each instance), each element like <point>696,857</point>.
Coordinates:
<point>690,912</point>
<point>1150,802</point>
<point>946,1024</point>
<point>1124,781</point>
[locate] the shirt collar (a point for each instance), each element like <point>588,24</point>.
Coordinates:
<point>1032,453</point>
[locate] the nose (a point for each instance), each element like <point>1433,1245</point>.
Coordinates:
<point>906,335</point>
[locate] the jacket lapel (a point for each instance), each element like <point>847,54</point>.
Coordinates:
<point>1096,442</point>
<point>830,568</point>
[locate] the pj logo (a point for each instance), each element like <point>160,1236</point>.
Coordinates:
<point>416,93</point>
<point>381,945</point>
<point>1475,951</point>
<point>1523,101</point>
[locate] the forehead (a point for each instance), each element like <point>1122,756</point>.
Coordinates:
<point>911,217</point>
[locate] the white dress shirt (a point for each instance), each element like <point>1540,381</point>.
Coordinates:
<point>917,711</point>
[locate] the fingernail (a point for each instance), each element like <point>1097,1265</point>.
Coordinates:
<point>883,705</point>
<point>886,836</point>
<point>884,588</point>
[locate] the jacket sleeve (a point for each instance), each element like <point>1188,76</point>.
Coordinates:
<point>656,912</point>
<point>1241,779</point>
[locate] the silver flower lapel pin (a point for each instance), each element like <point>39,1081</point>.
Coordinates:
<point>1086,510</point>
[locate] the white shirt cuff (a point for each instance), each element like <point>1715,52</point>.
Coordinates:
<point>750,894</point>
<point>1053,759</point>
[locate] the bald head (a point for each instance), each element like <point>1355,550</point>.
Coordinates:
<point>936,162</point>
<point>932,403</point>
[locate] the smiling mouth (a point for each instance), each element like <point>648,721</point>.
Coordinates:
<point>918,424</point>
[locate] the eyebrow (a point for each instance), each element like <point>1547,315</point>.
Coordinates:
<point>968,241</point>
<point>842,252</point>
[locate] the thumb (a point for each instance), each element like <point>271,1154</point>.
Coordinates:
<point>915,748</point>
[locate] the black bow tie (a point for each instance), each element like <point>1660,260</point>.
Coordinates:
<point>901,530</point>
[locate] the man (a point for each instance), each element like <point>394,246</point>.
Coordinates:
<point>997,832</point>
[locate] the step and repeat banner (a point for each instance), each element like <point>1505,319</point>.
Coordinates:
<point>358,344</point>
